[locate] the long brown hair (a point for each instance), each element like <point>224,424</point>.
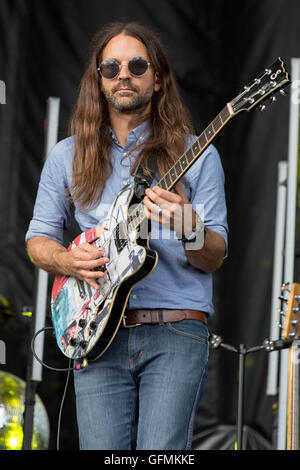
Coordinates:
<point>90,119</point>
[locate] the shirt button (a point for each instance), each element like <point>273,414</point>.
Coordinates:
<point>134,296</point>
<point>125,182</point>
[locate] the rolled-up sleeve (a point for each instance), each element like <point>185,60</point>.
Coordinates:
<point>51,214</point>
<point>208,191</point>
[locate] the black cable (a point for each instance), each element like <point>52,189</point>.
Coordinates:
<point>69,370</point>
<point>61,408</point>
<point>39,360</point>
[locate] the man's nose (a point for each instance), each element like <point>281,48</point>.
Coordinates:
<point>124,72</point>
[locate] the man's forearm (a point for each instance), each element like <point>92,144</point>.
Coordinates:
<point>43,252</point>
<point>211,256</point>
<point>83,262</point>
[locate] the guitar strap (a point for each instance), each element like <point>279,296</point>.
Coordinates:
<point>143,180</point>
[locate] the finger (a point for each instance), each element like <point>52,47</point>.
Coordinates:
<point>92,283</point>
<point>151,206</point>
<point>88,265</point>
<point>87,252</point>
<point>90,248</point>
<point>91,278</point>
<point>156,208</point>
<point>180,191</point>
<point>155,198</point>
<point>90,274</point>
<point>162,196</point>
<point>151,215</point>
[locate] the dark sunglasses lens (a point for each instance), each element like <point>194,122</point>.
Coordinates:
<point>138,66</point>
<point>109,69</point>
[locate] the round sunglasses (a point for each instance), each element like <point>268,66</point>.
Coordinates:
<point>110,68</point>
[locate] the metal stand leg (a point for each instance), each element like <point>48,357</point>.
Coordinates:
<point>240,415</point>
<point>29,414</point>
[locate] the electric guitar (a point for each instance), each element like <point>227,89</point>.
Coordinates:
<point>86,320</point>
<point>290,331</point>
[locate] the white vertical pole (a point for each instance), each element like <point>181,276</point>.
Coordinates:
<point>41,295</point>
<point>289,239</point>
<point>272,379</point>
<point>34,372</point>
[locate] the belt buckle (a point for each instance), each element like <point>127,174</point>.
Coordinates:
<point>129,326</point>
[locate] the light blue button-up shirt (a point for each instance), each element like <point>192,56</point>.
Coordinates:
<point>174,283</point>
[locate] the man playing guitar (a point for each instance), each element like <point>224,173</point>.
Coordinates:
<point>144,391</point>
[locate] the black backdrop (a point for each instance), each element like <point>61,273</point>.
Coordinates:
<point>216,47</point>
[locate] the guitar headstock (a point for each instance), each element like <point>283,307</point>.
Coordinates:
<point>292,313</point>
<point>273,79</point>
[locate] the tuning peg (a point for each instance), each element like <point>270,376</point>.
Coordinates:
<point>282,316</point>
<point>292,335</point>
<point>283,92</point>
<point>273,99</point>
<point>282,298</point>
<point>295,309</point>
<point>294,322</point>
<point>297,298</point>
<point>261,107</point>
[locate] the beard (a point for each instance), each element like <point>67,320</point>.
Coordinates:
<point>131,101</point>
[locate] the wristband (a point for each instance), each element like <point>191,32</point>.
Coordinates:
<point>195,239</point>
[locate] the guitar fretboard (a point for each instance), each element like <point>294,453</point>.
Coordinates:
<point>177,171</point>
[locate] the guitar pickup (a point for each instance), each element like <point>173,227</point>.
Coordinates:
<point>120,237</point>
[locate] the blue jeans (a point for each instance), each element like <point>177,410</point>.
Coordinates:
<point>144,391</point>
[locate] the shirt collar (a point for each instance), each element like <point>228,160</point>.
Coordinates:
<point>137,135</point>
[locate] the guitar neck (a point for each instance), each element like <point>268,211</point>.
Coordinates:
<point>178,170</point>
<point>293,399</point>
<point>193,153</point>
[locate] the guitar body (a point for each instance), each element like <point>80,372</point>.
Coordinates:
<point>85,318</point>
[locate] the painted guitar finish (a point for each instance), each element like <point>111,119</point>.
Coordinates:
<point>80,314</point>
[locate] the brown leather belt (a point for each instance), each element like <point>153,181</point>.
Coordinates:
<point>138,317</point>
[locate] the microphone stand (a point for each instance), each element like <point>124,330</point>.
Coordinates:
<point>242,351</point>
